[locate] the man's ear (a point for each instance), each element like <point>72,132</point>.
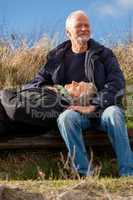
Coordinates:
<point>68,33</point>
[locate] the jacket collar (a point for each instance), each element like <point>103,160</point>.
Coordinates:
<point>60,51</point>
<point>92,45</point>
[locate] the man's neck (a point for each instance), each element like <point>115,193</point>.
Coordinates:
<point>79,48</point>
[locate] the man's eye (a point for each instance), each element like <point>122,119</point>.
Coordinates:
<point>78,26</point>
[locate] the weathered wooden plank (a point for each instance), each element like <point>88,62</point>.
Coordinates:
<point>91,138</point>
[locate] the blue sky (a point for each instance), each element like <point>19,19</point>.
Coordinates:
<point>109,19</point>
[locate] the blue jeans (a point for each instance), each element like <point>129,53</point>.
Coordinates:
<point>112,121</point>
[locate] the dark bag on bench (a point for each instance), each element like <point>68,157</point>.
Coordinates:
<point>35,106</point>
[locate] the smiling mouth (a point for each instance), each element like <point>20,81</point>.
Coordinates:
<point>84,35</point>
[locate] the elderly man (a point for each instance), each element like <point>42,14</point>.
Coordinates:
<point>83,59</point>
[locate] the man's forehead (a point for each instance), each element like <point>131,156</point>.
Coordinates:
<point>79,17</point>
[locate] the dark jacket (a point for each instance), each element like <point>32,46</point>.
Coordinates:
<point>101,67</point>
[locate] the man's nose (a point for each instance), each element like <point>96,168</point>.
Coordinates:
<point>83,27</point>
<point>74,83</point>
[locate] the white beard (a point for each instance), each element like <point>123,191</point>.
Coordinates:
<point>82,39</point>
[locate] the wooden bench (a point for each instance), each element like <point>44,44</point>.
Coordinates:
<point>54,140</point>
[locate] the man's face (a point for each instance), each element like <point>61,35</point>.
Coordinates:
<point>76,89</point>
<point>79,29</point>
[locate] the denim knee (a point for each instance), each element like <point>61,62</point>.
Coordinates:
<point>68,117</point>
<point>113,114</point>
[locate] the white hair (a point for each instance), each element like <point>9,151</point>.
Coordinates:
<point>71,15</point>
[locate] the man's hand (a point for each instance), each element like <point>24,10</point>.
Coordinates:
<point>83,109</point>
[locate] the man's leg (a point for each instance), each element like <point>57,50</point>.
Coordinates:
<point>113,122</point>
<point>70,124</point>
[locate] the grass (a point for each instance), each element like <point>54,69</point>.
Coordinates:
<point>48,166</point>
<point>19,65</point>
<point>129,110</point>
<point>130,123</point>
<point>92,188</point>
<point>24,166</point>
<point>39,173</point>
<point>124,54</point>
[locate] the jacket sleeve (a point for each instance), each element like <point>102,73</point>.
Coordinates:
<point>114,87</point>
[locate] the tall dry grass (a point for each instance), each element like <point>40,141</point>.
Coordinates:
<point>18,66</point>
<point>124,54</point>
